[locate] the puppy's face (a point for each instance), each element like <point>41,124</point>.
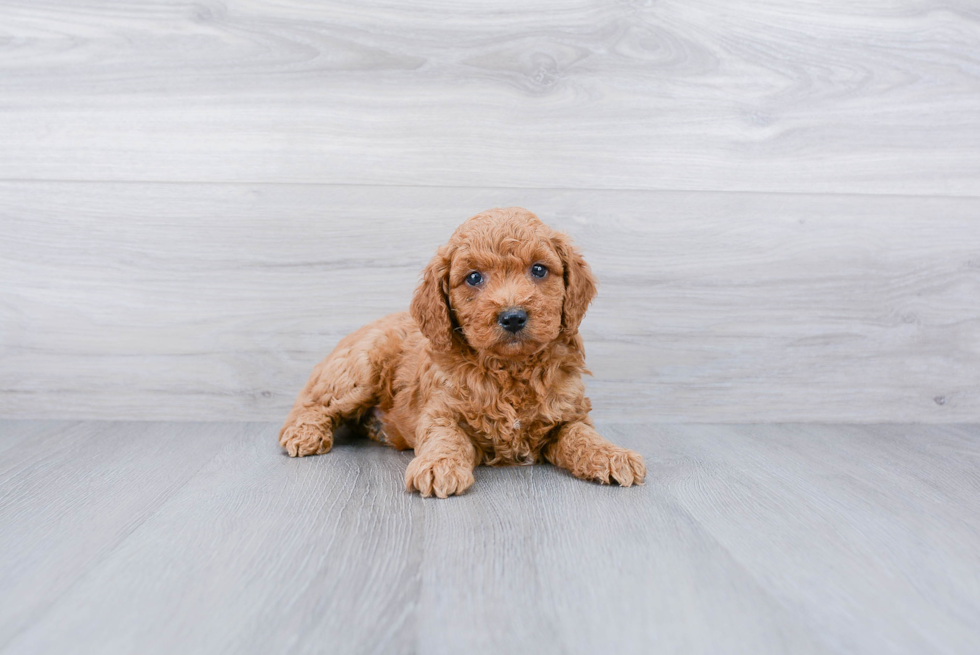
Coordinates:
<point>506,288</point>
<point>509,284</point>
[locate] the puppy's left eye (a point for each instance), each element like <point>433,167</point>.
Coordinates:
<point>538,270</point>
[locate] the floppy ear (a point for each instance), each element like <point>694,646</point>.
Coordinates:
<point>430,304</point>
<point>580,284</point>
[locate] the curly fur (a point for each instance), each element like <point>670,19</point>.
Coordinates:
<point>446,380</point>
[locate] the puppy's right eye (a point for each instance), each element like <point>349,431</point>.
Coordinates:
<point>474,279</point>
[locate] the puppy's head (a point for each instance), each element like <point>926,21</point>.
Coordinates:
<point>506,284</point>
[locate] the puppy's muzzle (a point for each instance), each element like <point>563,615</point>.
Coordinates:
<point>513,320</point>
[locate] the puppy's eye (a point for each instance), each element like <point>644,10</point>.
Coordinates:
<point>538,270</point>
<point>474,279</point>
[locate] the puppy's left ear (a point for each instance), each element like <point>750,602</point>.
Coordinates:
<point>430,304</point>
<point>580,283</point>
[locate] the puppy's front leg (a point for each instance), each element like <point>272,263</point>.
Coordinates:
<point>444,459</point>
<point>587,455</point>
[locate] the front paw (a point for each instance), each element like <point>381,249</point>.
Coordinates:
<point>304,439</point>
<point>442,477</point>
<point>614,464</point>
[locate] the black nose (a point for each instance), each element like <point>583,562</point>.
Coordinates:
<point>512,320</point>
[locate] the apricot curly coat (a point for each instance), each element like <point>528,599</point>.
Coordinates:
<point>449,381</point>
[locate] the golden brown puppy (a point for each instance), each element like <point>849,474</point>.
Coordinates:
<point>486,368</point>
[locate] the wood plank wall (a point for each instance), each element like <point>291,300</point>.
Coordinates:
<point>781,198</point>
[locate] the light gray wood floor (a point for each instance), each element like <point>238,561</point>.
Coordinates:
<point>203,538</point>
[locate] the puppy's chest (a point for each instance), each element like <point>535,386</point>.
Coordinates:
<point>510,429</point>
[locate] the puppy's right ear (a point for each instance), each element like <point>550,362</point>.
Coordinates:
<point>430,304</point>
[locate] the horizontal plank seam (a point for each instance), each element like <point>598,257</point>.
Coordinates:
<point>246,183</point>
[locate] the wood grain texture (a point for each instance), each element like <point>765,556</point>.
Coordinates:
<point>70,493</point>
<point>207,302</point>
<point>781,95</point>
<point>840,523</point>
<point>748,539</point>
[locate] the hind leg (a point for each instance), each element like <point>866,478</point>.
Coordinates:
<point>373,426</point>
<point>342,387</point>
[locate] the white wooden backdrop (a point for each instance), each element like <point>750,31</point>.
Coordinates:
<point>781,198</point>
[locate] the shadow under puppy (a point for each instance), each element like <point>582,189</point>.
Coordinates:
<point>485,368</point>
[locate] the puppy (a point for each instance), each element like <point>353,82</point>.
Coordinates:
<point>485,368</point>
